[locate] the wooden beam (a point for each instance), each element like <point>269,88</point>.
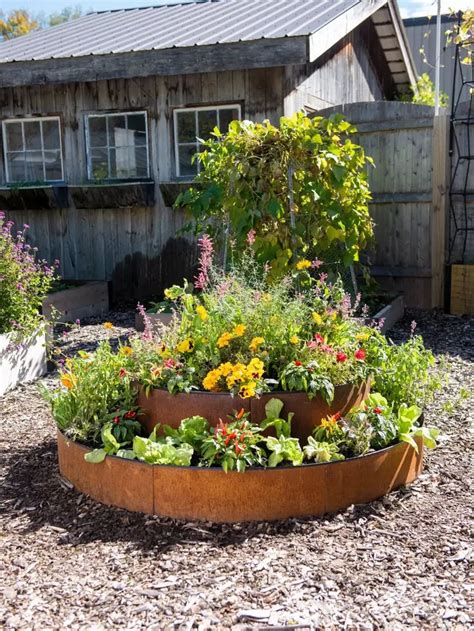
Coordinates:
<point>440,184</point>
<point>330,34</point>
<point>263,53</point>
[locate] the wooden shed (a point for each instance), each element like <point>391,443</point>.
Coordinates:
<point>100,116</point>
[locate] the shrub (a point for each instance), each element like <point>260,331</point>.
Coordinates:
<point>24,282</point>
<point>299,189</point>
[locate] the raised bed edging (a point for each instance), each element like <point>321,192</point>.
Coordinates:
<point>22,362</point>
<point>85,301</point>
<point>255,495</point>
<point>162,407</point>
<point>390,314</point>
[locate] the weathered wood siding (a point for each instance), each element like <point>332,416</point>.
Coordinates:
<point>348,73</point>
<point>133,244</point>
<point>410,189</point>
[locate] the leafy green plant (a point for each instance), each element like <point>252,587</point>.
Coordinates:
<point>110,445</point>
<point>193,431</point>
<point>235,445</point>
<point>424,93</point>
<point>321,451</point>
<point>408,430</point>
<point>284,449</point>
<point>305,378</point>
<point>273,410</point>
<point>24,282</point>
<point>301,188</point>
<point>93,387</point>
<point>162,450</point>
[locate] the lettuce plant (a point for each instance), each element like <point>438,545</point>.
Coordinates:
<point>321,451</point>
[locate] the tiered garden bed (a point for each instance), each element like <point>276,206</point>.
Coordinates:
<point>257,494</point>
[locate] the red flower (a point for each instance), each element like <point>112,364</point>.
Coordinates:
<point>378,410</point>
<point>319,338</point>
<point>298,363</point>
<point>122,373</point>
<point>341,357</point>
<point>238,449</point>
<point>336,416</point>
<point>116,420</point>
<point>360,354</point>
<point>130,414</point>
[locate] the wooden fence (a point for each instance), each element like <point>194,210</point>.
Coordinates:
<point>410,188</point>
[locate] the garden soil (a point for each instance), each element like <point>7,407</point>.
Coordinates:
<point>66,562</point>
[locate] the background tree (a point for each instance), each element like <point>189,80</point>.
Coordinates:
<point>17,23</point>
<point>299,189</point>
<point>67,14</point>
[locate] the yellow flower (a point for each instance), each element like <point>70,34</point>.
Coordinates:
<point>68,380</point>
<point>239,330</point>
<point>362,337</point>
<point>108,325</point>
<point>256,343</point>
<point>202,313</point>
<point>224,340</point>
<point>256,368</point>
<point>226,369</point>
<point>239,373</point>
<point>126,350</point>
<point>294,339</point>
<point>186,346</point>
<point>211,380</point>
<point>304,264</point>
<point>247,390</point>
<point>317,318</point>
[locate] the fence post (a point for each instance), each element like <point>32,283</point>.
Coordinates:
<point>440,190</point>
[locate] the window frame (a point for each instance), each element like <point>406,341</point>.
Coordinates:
<point>89,148</point>
<point>32,119</point>
<point>196,110</point>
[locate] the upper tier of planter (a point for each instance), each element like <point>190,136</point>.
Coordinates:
<point>162,407</point>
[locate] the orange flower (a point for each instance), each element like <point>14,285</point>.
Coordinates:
<point>68,380</point>
<point>108,325</point>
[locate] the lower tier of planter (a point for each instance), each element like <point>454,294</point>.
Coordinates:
<point>255,495</point>
<point>169,409</point>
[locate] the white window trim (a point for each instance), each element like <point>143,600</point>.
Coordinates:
<point>32,119</point>
<point>196,110</point>
<point>89,148</point>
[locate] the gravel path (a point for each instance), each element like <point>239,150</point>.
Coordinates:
<point>67,562</point>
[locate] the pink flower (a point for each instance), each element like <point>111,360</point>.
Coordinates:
<point>169,363</point>
<point>312,345</point>
<point>205,261</point>
<point>251,236</point>
<point>360,354</point>
<point>319,338</point>
<point>316,264</point>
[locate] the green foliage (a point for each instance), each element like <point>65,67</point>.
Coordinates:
<point>94,388</point>
<point>24,282</point>
<point>403,373</point>
<point>273,410</point>
<point>321,451</point>
<point>284,449</point>
<point>162,451</point>
<point>307,378</point>
<point>235,445</point>
<point>193,430</point>
<point>300,187</point>
<point>424,93</point>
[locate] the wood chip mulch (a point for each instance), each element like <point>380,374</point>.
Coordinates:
<point>67,562</point>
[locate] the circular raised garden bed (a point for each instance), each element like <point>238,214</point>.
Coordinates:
<point>257,494</point>
<point>162,407</point>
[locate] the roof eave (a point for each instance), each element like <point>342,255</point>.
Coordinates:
<point>262,53</point>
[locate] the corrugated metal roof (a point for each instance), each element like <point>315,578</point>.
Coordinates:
<point>195,24</point>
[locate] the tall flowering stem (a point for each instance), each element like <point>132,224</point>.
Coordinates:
<point>206,248</point>
<point>24,281</point>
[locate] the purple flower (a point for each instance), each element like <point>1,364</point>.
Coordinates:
<point>205,261</point>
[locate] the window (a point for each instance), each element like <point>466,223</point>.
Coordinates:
<point>117,146</point>
<point>193,123</point>
<point>33,149</point>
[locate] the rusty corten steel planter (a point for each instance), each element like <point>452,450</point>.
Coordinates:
<point>169,409</point>
<point>257,494</point>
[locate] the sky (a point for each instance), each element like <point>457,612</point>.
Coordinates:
<point>408,8</point>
